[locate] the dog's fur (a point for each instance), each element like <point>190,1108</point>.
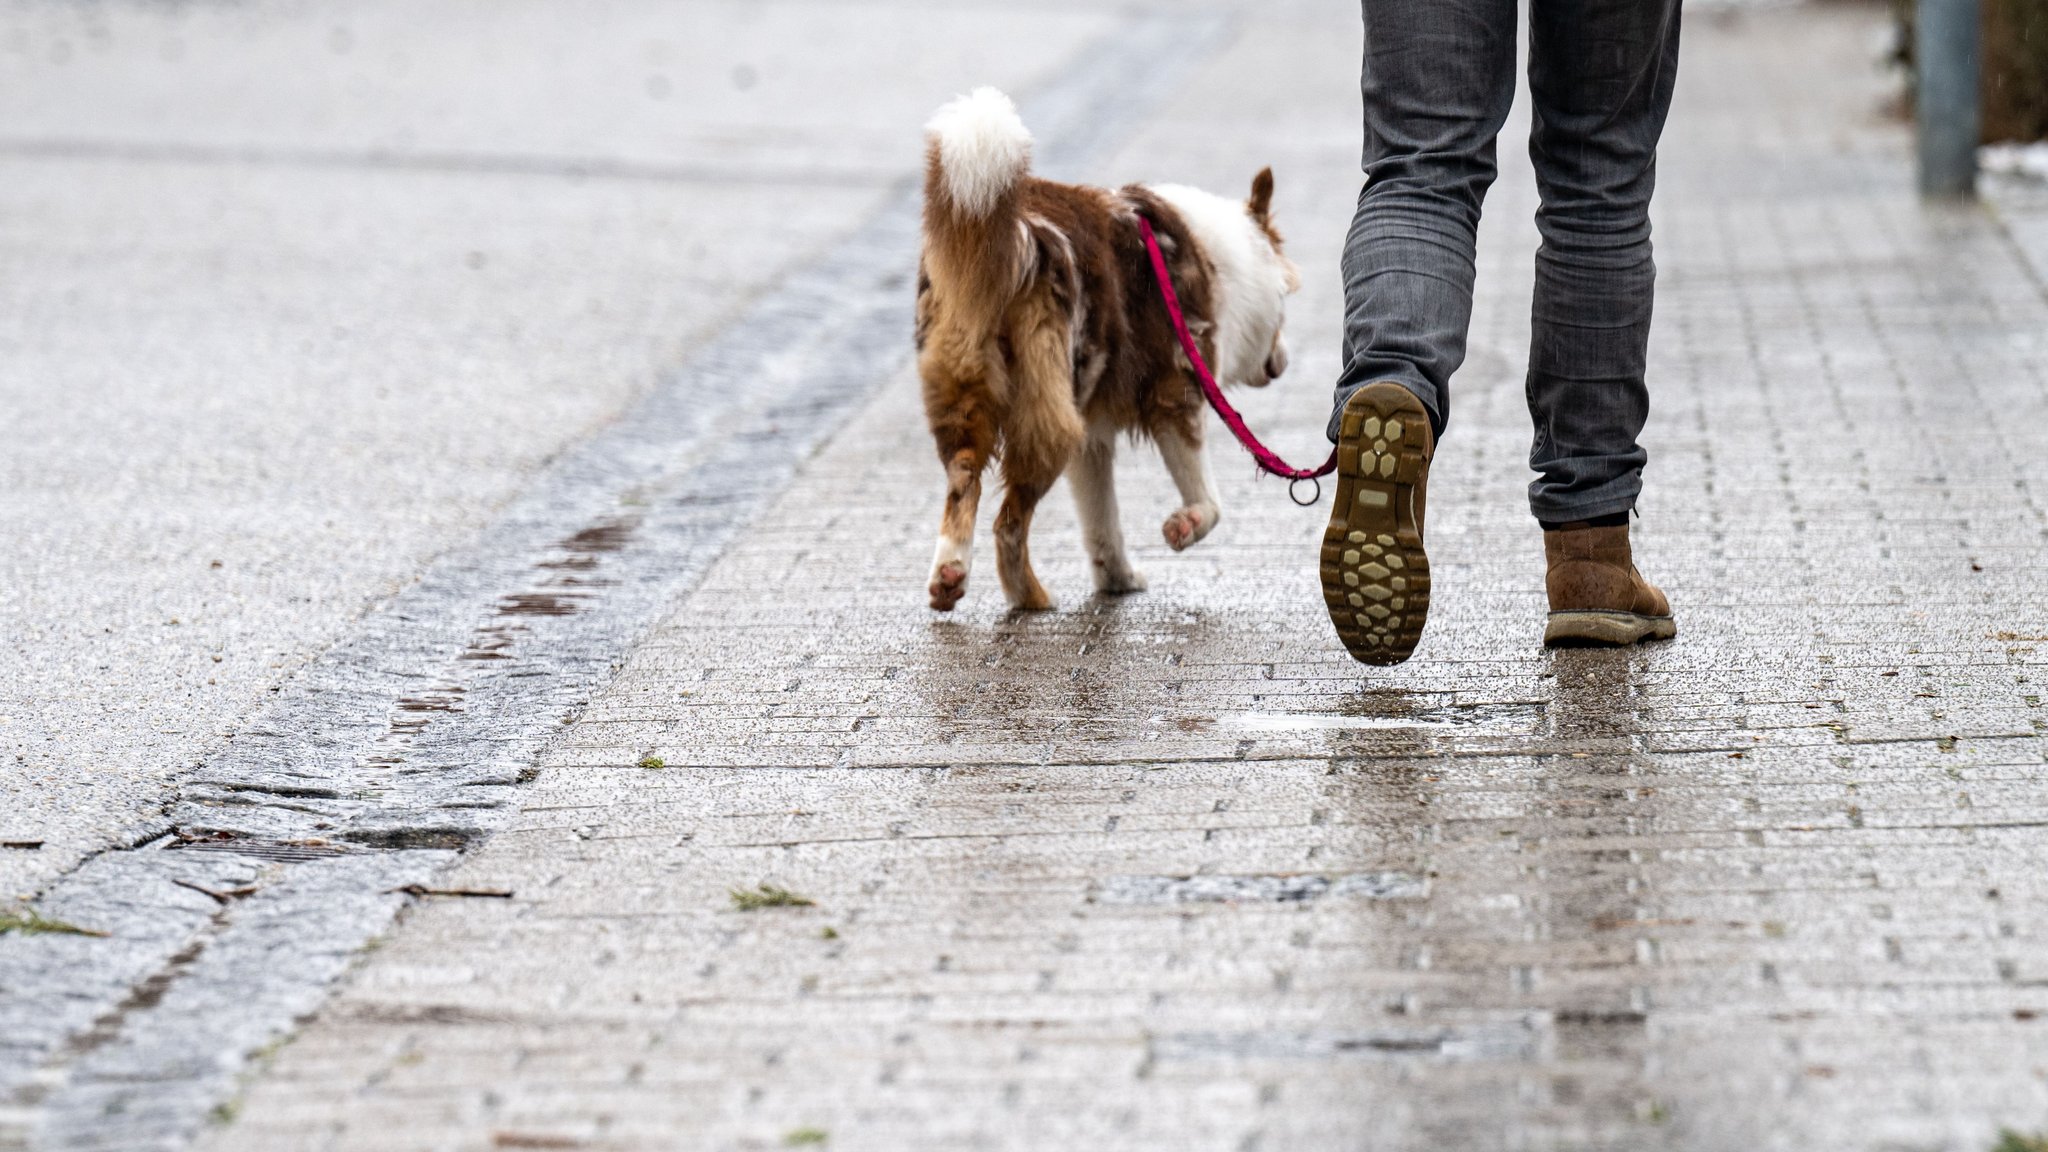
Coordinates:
<point>1041,336</point>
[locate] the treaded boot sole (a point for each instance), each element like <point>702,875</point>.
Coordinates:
<point>1606,629</point>
<point>1374,572</point>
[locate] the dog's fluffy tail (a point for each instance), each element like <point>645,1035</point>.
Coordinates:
<point>977,152</point>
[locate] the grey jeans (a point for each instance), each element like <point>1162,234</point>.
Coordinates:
<point>1439,77</point>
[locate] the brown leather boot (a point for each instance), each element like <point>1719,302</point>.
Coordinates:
<point>1375,574</point>
<point>1596,594</point>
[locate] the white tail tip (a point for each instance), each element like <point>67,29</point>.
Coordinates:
<point>983,148</point>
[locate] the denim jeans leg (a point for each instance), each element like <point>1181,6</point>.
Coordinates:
<point>1438,79</point>
<point>1601,73</point>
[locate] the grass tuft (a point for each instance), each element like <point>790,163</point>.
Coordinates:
<point>653,762</point>
<point>29,922</point>
<point>2011,1141</point>
<point>806,1137</point>
<point>768,896</point>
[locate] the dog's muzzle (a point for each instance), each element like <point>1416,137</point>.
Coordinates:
<point>1276,362</point>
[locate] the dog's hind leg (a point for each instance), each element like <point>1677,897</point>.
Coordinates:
<point>963,423</point>
<point>1013,546</point>
<point>1181,448</point>
<point>954,555</point>
<point>1035,452</point>
<point>1042,433</point>
<point>1093,477</point>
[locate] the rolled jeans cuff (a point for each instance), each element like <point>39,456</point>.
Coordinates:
<point>1616,495</point>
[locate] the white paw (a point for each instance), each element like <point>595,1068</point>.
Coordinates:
<point>948,581</point>
<point>1187,526</point>
<point>948,585</point>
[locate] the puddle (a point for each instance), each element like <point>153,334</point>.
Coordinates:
<point>1516,1041</point>
<point>540,604</point>
<point>446,699</point>
<point>1375,716</point>
<point>608,536</point>
<point>278,851</point>
<point>1270,889</point>
<point>490,643</point>
<point>580,554</point>
<point>1313,722</point>
<point>560,592</point>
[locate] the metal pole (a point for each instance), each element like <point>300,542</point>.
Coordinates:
<point>1946,45</point>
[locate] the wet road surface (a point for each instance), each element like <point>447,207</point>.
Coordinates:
<point>1171,871</point>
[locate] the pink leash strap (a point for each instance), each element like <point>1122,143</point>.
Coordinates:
<point>1267,459</point>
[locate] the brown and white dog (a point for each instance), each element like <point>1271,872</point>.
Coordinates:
<point>1041,336</point>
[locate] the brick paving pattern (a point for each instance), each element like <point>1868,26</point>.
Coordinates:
<point>1172,872</point>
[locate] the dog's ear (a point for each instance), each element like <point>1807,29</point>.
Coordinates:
<point>1261,203</point>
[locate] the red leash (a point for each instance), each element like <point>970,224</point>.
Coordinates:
<point>1265,456</point>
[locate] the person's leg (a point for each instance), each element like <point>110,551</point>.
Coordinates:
<point>1601,73</point>
<point>1438,79</point>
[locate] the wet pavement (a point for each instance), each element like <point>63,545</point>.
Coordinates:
<point>817,867</point>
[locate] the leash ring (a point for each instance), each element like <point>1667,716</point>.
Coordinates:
<point>1312,500</point>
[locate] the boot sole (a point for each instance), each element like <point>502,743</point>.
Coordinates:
<point>1375,574</point>
<point>1606,629</point>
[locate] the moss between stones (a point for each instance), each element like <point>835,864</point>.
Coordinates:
<point>29,922</point>
<point>768,896</point>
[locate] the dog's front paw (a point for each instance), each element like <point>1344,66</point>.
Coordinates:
<point>1118,579</point>
<point>949,584</point>
<point>1186,526</point>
